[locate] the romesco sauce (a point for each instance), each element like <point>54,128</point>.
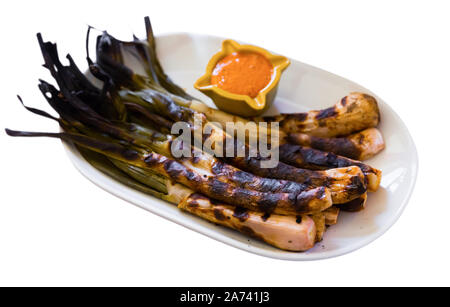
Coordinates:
<point>243,73</point>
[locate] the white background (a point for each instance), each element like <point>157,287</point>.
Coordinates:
<point>57,228</point>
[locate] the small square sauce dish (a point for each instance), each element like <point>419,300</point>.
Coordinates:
<point>242,79</point>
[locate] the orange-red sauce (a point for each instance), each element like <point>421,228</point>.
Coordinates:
<point>243,73</point>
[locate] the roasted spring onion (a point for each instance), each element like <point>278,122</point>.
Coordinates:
<point>358,146</point>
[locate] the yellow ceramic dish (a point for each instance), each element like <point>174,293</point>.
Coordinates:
<point>242,104</point>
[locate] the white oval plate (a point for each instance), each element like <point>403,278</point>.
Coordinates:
<point>302,87</point>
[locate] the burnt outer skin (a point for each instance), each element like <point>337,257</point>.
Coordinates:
<point>355,205</point>
<point>353,113</point>
<point>358,146</point>
<point>345,183</point>
<point>313,200</point>
<point>285,232</point>
<point>340,146</point>
<point>233,175</point>
<point>316,159</point>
